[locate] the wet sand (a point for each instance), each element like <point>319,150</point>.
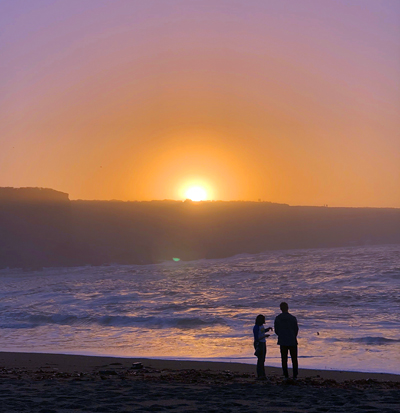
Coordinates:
<point>45,383</point>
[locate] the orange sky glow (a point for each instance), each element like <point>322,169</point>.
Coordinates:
<point>291,102</point>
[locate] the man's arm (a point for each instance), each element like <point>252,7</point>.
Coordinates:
<point>276,327</point>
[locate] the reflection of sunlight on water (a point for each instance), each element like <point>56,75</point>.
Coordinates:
<point>206,309</point>
<point>329,350</point>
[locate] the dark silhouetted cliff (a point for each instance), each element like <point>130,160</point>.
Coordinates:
<point>35,227</point>
<point>46,232</point>
<point>32,195</point>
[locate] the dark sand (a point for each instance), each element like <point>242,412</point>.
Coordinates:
<point>61,383</point>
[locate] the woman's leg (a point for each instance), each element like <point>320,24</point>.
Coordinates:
<point>261,360</point>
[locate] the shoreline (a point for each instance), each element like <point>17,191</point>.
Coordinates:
<point>53,383</point>
<point>72,363</point>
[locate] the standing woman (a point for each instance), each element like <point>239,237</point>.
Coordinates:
<point>260,345</point>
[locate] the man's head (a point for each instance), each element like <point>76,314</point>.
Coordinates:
<point>284,307</point>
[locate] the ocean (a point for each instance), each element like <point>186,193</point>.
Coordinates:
<point>346,300</point>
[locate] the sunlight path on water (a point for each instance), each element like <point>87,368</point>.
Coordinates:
<point>347,301</point>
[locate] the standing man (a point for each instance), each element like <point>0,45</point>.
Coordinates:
<point>286,329</point>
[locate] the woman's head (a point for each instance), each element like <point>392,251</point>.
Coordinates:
<point>260,320</point>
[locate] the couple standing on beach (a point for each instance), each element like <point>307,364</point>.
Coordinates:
<point>286,329</point>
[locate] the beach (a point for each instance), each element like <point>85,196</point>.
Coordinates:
<point>37,382</point>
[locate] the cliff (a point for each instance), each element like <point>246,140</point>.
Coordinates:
<point>34,226</point>
<point>31,195</point>
<point>41,227</point>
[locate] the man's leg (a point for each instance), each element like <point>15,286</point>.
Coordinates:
<point>284,354</point>
<point>293,355</point>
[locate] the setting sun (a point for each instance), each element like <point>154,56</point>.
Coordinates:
<point>196,193</point>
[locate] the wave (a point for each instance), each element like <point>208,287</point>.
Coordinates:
<point>368,340</point>
<point>33,321</point>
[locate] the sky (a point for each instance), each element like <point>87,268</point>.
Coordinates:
<point>289,101</point>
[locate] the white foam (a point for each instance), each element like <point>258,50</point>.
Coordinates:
<point>344,300</point>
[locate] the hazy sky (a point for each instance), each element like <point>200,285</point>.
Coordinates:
<point>294,101</point>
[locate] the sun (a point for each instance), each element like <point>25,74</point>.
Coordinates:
<point>196,193</point>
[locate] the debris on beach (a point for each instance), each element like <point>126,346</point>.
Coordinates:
<point>189,376</point>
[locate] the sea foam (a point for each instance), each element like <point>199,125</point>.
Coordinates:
<point>346,300</point>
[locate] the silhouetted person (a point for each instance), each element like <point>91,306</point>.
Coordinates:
<point>286,329</point>
<point>260,345</point>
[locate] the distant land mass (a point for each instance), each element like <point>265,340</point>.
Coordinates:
<point>41,227</point>
<point>32,195</point>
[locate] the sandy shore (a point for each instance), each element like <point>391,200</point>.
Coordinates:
<point>62,383</point>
